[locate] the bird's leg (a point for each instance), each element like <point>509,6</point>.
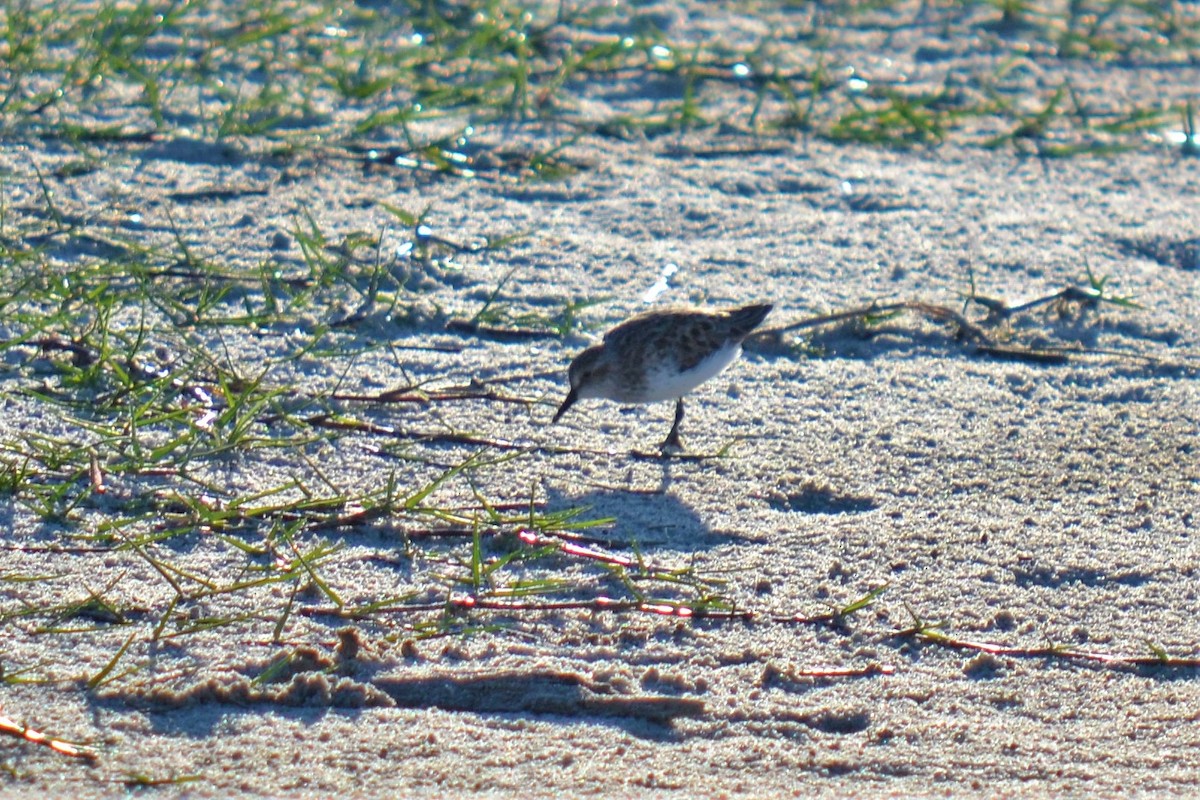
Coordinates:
<point>673,445</point>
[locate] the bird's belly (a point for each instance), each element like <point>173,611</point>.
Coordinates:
<point>664,382</point>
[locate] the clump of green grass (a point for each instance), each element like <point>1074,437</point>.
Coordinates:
<point>149,408</point>
<point>391,69</point>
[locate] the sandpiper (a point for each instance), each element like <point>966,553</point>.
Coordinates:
<point>661,355</point>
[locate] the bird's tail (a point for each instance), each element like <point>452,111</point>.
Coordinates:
<point>747,319</point>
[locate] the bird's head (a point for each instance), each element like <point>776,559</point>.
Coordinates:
<point>587,373</point>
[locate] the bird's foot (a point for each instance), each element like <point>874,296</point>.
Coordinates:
<point>673,446</point>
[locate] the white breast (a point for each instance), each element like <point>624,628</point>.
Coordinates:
<point>665,383</point>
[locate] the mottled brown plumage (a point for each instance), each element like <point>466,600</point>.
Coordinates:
<point>661,355</point>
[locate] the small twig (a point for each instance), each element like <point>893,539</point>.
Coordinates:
<point>968,328</point>
<point>830,618</point>
<point>997,310</point>
<point>1157,659</point>
<point>95,473</point>
<point>1093,294</point>
<point>645,455</point>
<point>839,672</point>
<point>500,334</point>
<point>533,539</point>
<point>445,395</point>
<point>1007,353</point>
<point>82,355</point>
<point>471,603</point>
<point>13,728</point>
<point>332,422</point>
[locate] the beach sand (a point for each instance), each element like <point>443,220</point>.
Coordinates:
<point>1026,499</point>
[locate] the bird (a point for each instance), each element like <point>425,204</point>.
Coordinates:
<point>659,355</point>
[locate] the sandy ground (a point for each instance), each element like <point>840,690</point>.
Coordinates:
<point>1018,502</point>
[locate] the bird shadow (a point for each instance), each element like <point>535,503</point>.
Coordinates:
<point>642,517</point>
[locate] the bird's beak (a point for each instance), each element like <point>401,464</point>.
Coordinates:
<point>572,396</point>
